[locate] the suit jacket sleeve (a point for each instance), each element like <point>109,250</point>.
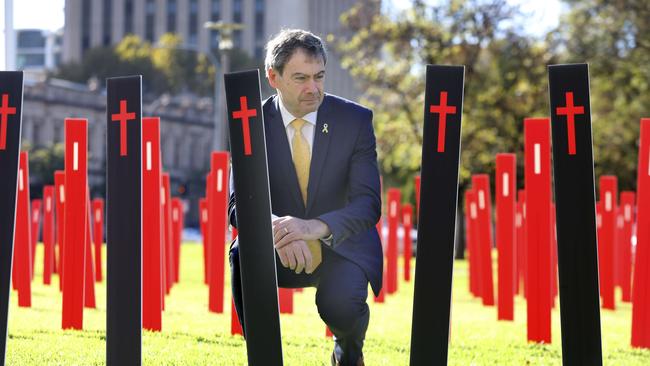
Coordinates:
<point>232,211</point>
<point>364,200</point>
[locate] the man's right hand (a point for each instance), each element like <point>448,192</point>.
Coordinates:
<point>296,256</point>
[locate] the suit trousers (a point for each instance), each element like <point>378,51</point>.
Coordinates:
<point>342,290</point>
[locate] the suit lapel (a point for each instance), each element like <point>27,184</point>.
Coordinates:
<point>319,151</point>
<point>282,162</point>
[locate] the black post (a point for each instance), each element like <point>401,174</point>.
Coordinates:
<point>124,221</point>
<point>256,251</point>
<point>575,205</point>
<point>11,103</point>
<point>437,222</point>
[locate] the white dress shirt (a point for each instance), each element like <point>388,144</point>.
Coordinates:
<point>307,130</point>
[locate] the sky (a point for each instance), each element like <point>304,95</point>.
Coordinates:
<point>50,16</point>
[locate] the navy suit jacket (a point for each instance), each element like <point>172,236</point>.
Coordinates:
<point>343,188</point>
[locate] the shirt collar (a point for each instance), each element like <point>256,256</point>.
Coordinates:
<point>287,117</point>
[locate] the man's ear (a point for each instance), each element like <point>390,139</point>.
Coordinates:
<point>273,76</point>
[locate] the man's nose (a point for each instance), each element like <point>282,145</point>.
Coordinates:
<point>311,87</point>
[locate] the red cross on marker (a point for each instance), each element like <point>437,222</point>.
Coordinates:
<point>244,113</point>
<point>442,109</point>
<point>5,112</point>
<point>123,117</point>
<point>570,111</point>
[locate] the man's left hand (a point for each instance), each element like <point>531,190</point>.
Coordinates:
<point>287,229</point>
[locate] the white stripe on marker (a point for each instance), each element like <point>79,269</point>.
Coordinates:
<point>506,186</point>
<point>48,204</point>
<point>481,200</point>
<point>175,215</point>
<point>75,156</point>
<point>20,179</point>
<point>472,210</point>
<point>628,213</point>
<point>98,216</point>
<point>219,180</point>
<point>148,155</point>
<point>538,159</point>
<point>162,195</point>
<point>205,215</point>
<point>61,194</point>
<point>393,209</point>
<point>608,201</point>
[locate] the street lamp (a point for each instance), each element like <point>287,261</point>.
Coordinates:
<point>224,37</point>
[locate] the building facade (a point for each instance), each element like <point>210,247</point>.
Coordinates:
<point>186,133</point>
<point>93,23</point>
<point>37,50</point>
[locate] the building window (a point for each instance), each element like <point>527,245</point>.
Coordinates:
<point>128,16</point>
<point>259,20</point>
<point>237,18</point>
<point>150,14</point>
<point>31,39</point>
<point>171,16</point>
<point>194,22</point>
<point>30,60</point>
<point>215,16</point>
<point>85,25</point>
<point>107,18</point>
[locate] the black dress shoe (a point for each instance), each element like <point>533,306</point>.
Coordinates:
<point>336,363</point>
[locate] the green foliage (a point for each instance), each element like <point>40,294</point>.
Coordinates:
<point>614,38</point>
<point>167,67</point>
<point>505,78</point>
<point>193,336</point>
<point>43,162</point>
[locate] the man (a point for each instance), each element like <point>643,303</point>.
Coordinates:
<point>325,197</point>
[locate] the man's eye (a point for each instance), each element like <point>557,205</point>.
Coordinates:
<point>300,78</point>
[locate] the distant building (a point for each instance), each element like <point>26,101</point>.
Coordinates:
<point>92,23</point>
<point>186,133</point>
<point>37,50</point>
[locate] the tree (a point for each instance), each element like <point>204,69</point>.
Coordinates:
<point>614,38</point>
<point>505,78</point>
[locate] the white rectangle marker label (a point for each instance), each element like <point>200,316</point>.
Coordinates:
<point>628,213</point>
<point>393,209</point>
<point>148,155</point>
<point>62,194</point>
<point>75,156</point>
<point>20,179</point>
<point>481,199</point>
<point>608,201</point>
<point>219,180</point>
<point>506,185</point>
<point>538,159</point>
<point>472,210</point>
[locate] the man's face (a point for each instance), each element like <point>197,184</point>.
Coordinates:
<point>301,84</point>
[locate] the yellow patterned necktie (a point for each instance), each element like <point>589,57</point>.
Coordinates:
<point>302,161</point>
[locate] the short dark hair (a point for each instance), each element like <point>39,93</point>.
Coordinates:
<point>284,44</point>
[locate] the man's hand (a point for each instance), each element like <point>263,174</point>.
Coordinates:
<point>287,229</point>
<point>296,255</point>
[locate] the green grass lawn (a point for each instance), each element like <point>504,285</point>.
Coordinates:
<point>193,336</point>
